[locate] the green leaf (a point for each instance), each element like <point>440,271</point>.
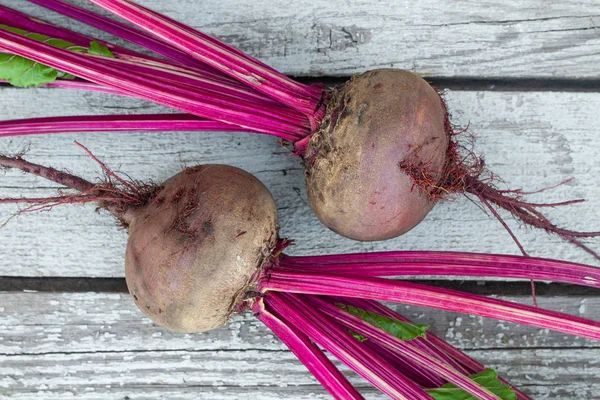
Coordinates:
<point>23,72</point>
<point>19,71</point>
<point>488,379</point>
<point>358,337</point>
<point>401,330</point>
<point>100,50</point>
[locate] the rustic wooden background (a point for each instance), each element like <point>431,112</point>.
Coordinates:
<point>522,74</point>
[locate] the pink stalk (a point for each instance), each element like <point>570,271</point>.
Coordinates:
<point>23,21</point>
<point>112,123</point>
<point>405,348</point>
<point>308,353</point>
<point>209,38</point>
<point>414,372</point>
<point>452,356</point>
<point>201,86</point>
<point>120,30</point>
<point>425,296</point>
<point>449,257</point>
<point>17,19</point>
<point>346,348</point>
<point>79,85</point>
<point>185,74</point>
<point>206,80</point>
<point>94,87</point>
<point>84,85</point>
<point>87,67</point>
<point>218,55</point>
<point>318,90</point>
<point>449,264</point>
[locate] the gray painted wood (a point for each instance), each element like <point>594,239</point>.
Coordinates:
<point>514,38</point>
<point>99,346</point>
<point>543,374</point>
<point>530,139</point>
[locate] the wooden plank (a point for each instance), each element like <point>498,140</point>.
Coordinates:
<point>532,140</point>
<point>97,345</point>
<point>543,374</point>
<point>513,38</point>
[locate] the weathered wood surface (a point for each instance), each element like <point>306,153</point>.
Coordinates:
<point>513,38</point>
<point>530,139</point>
<point>98,345</point>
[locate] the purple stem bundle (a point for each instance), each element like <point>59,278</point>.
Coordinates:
<point>308,353</point>
<point>17,19</point>
<point>217,55</point>
<point>343,346</point>
<point>420,263</point>
<point>423,295</point>
<point>445,352</point>
<point>407,349</point>
<point>122,31</point>
<point>85,66</point>
<point>307,291</point>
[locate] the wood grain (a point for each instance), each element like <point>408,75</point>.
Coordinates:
<point>98,345</point>
<point>513,38</point>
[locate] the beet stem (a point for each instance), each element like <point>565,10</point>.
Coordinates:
<point>93,68</point>
<point>421,342</point>
<point>308,353</point>
<point>408,349</point>
<point>448,353</point>
<point>113,123</point>
<point>123,31</point>
<point>422,295</point>
<point>216,54</point>
<point>17,19</point>
<point>446,264</point>
<point>336,340</point>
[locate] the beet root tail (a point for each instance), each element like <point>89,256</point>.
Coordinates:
<point>526,212</point>
<point>465,172</point>
<point>116,198</point>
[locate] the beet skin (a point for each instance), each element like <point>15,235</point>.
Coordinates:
<point>375,123</point>
<point>193,250</point>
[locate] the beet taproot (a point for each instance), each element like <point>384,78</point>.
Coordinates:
<point>194,248</point>
<point>375,122</point>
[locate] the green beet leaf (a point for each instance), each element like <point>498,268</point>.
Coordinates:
<point>19,71</point>
<point>358,337</point>
<point>22,72</point>
<point>488,379</point>
<point>401,330</point>
<point>100,50</point>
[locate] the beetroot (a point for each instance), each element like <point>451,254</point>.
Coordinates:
<point>379,151</point>
<point>203,246</point>
<point>373,124</point>
<point>193,249</point>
